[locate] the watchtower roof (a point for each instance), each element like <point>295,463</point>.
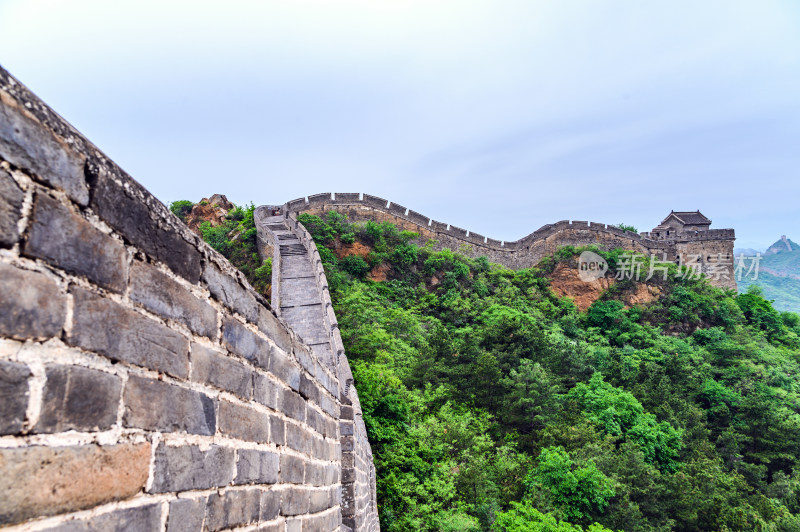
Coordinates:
<point>687,218</point>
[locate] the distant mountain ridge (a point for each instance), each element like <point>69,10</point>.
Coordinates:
<point>778,273</point>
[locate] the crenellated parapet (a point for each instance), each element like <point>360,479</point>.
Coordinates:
<point>676,245</point>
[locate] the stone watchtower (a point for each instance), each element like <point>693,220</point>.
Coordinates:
<point>691,241</point>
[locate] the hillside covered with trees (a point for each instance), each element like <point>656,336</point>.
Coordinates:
<point>492,404</point>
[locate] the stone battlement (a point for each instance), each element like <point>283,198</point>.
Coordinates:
<point>530,249</point>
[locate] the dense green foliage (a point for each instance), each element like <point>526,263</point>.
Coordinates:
<point>181,208</point>
<point>235,238</point>
<point>492,404</point>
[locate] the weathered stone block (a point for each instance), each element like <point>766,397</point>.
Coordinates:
<point>292,469</point>
<point>274,329</point>
<point>26,143</point>
<point>155,405</point>
<point>232,294</point>
<point>13,395</point>
<point>162,295</point>
<point>189,468</point>
<point>319,448</point>
<point>293,405</point>
<point>298,438</point>
<point>103,326</point>
<point>33,305</point>
<point>318,501</point>
<point>277,430</point>
<point>245,343</point>
<point>267,392</point>
<point>40,481</point>
<point>232,509</point>
<point>270,504</point>
<point>77,398</point>
<point>138,519</point>
<point>284,369</point>
<point>243,422</point>
<point>11,197</point>
<point>259,467</point>
<point>210,367</point>
<point>309,389</point>
<point>315,420</point>
<point>131,216</point>
<point>294,501</point>
<point>315,474</point>
<point>68,241</point>
<point>186,515</point>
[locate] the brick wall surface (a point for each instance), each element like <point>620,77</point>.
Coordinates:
<point>144,386</point>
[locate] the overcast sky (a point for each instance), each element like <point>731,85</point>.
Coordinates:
<point>496,116</point>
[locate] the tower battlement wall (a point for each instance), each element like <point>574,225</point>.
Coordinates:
<point>528,250</point>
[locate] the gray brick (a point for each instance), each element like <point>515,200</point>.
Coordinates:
<point>315,474</point>
<point>294,501</point>
<point>267,392</point>
<point>66,240</point>
<point>309,389</point>
<point>11,197</point>
<point>243,422</point>
<point>284,369</point>
<point>189,468</point>
<point>274,329</point>
<point>318,501</point>
<point>292,469</point>
<point>103,326</point>
<point>270,504</point>
<point>13,396</point>
<point>77,398</point>
<point>186,515</point>
<point>33,305</point>
<point>232,294</point>
<point>155,405</point>
<point>210,367</point>
<point>132,217</point>
<point>298,438</point>
<point>315,420</point>
<point>232,509</point>
<point>139,519</point>
<point>277,430</point>
<point>293,405</point>
<point>162,295</point>
<point>305,357</point>
<point>319,448</point>
<point>26,143</point>
<point>245,343</point>
<point>257,467</point>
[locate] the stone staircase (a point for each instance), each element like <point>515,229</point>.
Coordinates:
<point>298,299</point>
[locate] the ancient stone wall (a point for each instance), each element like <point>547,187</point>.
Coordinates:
<point>529,250</point>
<point>300,295</point>
<point>144,386</point>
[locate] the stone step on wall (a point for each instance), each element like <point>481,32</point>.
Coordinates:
<point>302,300</point>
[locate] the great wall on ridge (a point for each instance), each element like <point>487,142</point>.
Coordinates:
<point>145,386</point>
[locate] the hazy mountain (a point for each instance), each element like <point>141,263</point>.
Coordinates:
<point>778,274</point>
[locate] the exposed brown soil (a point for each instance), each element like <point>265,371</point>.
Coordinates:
<point>380,272</point>
<point>342,250</point>
<point>564,281</point>
<point>212,210</point>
